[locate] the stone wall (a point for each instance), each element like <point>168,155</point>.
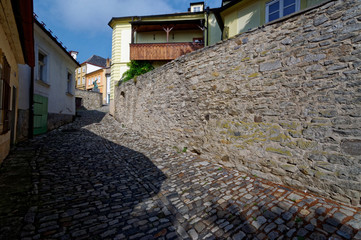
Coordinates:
<point>282,102</point>
<point>56,120</point>
<point>90,100</point>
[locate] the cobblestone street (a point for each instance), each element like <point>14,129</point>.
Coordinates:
<point>96,179</point>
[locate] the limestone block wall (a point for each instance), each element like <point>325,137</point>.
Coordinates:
<point>282,102</point>
<point>90,100</point>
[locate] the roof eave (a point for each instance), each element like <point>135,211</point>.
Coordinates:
<point>53,38</point>
<point>91,64</point>
<point>23,12</point>
<point>229,5</point>
<point>153,16</point>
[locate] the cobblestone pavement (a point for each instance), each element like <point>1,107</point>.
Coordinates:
<point>96,179</point>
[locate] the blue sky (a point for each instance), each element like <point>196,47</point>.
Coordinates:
<point>82,25</point>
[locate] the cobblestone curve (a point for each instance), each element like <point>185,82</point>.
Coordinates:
<point>96,179</point>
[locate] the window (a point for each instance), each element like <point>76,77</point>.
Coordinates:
<point>5,94</point>
<point>83,81</point>
<point>196,9</point>
<point>79,82</point>
<point>79,70</point>
<point>84,69</point>
<point>69,83</point>
<point>42,66</point>
<point>279,8</point>
<point>198,40</point>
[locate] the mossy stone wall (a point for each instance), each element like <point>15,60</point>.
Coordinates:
<point>282,102</point>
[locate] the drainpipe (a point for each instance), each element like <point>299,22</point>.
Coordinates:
<point>31,105</point>
<point>219,21</point>
<point>31,88</point>
<point>207,11</point>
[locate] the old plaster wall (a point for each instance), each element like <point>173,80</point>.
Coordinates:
<point>282,102</point>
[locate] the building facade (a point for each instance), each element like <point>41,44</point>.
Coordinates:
<point>80,73</point>
<point>92,64</point>
<point>93,69</point>
<point>16,47</point>
<point>97,77</point>
<point>108,80</point>
<point>238,16</point>
<point>53,83</point>
<point>162,38</point>
<point>158,39</point>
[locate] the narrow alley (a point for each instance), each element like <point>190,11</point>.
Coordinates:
<point>96,179</point>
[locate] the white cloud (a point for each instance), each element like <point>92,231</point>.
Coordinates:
<point>92,16</point>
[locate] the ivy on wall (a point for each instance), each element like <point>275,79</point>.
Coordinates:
<point>136,68</point>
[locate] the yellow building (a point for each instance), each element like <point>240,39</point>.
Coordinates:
<point>157,38</point>
<point>101,81</point>
<point>92,64</point>
<point>16,47</point>
<point>80,77</point>
<point>93,69</point>
<point>239,16</point>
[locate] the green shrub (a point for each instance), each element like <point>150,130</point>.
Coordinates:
<point>136,68</point>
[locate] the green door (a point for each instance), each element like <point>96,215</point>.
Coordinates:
<point>40,114</point>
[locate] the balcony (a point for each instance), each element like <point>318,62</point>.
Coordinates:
<point>162,51</point>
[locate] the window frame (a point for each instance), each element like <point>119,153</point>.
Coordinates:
<point>5,95</point>
<point>197,9</point>
<point>44,78</point>
<point>69,82</point>
<point>281,8</point>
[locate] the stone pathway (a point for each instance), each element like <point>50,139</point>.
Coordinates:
<point>96,179</point>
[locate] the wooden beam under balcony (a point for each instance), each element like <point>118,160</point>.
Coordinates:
<point>161,51</point>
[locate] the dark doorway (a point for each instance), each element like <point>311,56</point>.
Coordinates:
<point>78,103</point>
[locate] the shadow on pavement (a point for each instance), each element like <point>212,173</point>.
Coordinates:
<point>16,182</point>
<point>87,187</point>
<point>88,192</point>
<point>15,192</point>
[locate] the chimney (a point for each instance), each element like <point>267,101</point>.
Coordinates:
<point>74,54</point>
<point>108,62</point>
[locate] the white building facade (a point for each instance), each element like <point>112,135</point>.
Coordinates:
<point>54,82</point>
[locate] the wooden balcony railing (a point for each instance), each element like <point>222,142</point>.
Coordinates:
<point>161,51</point>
